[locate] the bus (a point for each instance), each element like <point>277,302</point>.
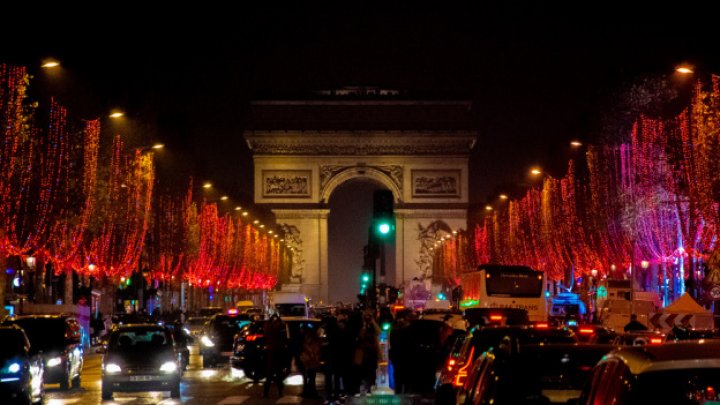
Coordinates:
<point>504,286</point>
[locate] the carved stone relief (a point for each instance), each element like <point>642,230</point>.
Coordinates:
<point>427,236</point>
<point>294,241</point>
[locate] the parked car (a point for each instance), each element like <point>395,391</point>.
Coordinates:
<point>58,340</point>
<point>679,373</point>
<point>141,357</point>
<point>502,378</point>
<point>21,371</point>
<point>216,342</point>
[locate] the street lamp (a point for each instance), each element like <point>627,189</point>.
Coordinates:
<point>488,208</point>
<point>503,196</point>
<point>535,171</point>
<point>207,185</point>
<point>685,69</point>
<point>224,198</point>
<point>50,63</point>
<point>575,144</point>
<point>116,114</point>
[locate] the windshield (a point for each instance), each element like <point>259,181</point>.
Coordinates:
<point>45,334</point>
<point>682,387</point>
<point>514,283</point>
<point>140,340</point>
<point>13,343</point>
<point>290,309</point>
<point>229,325</point>
<point>196,321</point>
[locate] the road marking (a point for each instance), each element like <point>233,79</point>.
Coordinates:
<point>233,400</point>
<point>289,399</point>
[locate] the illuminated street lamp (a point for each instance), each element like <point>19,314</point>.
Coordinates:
<point>50,63</point>
<point>224,198</point>
<point>158,146</point>
<point>117,114</point>
<point>535,171</point>
<point>207,185</point>
<point>488,208</point>
<point>575,144</point>
<point>685,69</point>
<point>503,196</point>
<point>238,208</point>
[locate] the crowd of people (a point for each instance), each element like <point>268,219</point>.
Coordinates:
<point>346,349</point>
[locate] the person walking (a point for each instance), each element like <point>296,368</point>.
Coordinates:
<point>310,358</point>
<point>367,352</point>
<point>276,355</point>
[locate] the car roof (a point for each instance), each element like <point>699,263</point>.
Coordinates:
<point>669,356</point>
<point>141,326</point>
<point>53,316</point>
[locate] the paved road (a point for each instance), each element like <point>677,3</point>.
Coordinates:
<point>199,386</point>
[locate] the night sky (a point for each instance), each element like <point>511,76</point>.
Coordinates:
<point>538,75</point>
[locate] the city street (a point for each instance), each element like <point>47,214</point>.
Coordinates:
<point>199,386</point>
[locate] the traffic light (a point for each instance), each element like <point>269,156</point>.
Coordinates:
<point>365,279</point>
<point>383,215</point>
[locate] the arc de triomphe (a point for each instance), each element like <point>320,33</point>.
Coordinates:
<point>303,150</point>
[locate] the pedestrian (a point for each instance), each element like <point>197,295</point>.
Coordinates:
<point>367,352</point>
<point>401,351</point>
<point>310,358</point>
<point>634,325</point>
<point>276,355</point>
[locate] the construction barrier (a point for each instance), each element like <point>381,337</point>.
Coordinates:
<point>666,321</point>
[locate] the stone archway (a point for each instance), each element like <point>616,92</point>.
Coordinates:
<point>297,170</point>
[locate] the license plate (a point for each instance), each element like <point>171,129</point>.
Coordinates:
<point>141,377</point>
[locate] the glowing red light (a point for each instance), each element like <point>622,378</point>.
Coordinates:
<point>496,317</point>
<point>541,325</point>
<point>655,341</point>
<point>586,331</point>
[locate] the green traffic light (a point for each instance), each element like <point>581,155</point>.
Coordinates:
<point>365,278</point>
<point>384,228</point>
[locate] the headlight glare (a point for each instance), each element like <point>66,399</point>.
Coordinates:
<point>112,368</point>
<point>207,342</point>
<point>14,368</point>
<point>54,362</point>
<point>168,367</point>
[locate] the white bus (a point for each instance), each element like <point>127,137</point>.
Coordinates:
<point>501,286</point>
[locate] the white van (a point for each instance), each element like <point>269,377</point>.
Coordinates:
<point>289,305</point>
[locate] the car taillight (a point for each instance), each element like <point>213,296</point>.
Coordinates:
<point>462,372</point>
<point>541,325</point>
<point>451,364</point>
<point>655,341</point>
<point>252,338</point>
<point>496,318</point>
<point>586,331</point>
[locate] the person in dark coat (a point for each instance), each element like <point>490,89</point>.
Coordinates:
<point>367,352</point>
<point>634,325</point>
<point>310,358</point>
<point>401,351</point>
<point>276,354</point>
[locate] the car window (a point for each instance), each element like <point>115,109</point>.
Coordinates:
<point>13,343</point>
<point>46,334</point>
<point>140,340</point>
<point>687,386</point>
<point>228,325</point>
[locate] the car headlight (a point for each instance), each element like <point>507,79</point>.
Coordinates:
<point>169,367</point>
<point>112,368</point>
<point>207,342</point>
<point>14,368</point>
<point>54,362</point>
<point>187,331</point>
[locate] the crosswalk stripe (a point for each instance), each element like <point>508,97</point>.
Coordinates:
<point>236,400</point>
<point>289,399</point>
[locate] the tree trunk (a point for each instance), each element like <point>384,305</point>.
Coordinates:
<point>68,297</point>
<point>3,285</point>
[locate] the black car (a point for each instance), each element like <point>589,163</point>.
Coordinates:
<point>141,358</point>
<point>216,342</point>
<point>21,373</point>
<point>537,374</point>
<point>249,348</point>
<point>58,340</point>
